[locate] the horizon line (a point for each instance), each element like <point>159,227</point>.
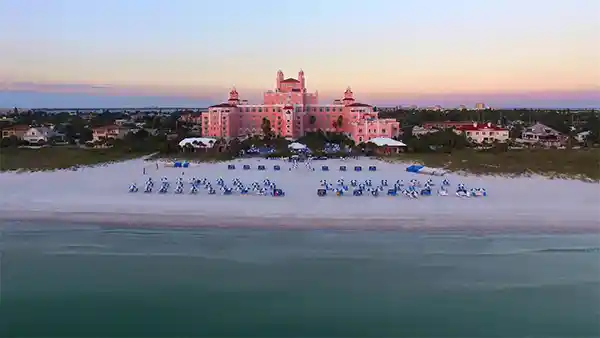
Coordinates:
<point>200,91</point>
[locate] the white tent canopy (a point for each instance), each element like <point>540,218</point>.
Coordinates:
<point>386,142</point>
<point>198,142</point>
<point>297,146</point>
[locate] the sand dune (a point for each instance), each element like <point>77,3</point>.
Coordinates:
<point>99,194</point>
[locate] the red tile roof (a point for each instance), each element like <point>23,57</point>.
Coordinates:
<point>290,80</point>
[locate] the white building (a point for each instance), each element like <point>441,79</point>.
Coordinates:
<point>483,132</point>
<point>109,132</point>
<point>38,135</point>
<point>581,137</point>
<point>198,142</point>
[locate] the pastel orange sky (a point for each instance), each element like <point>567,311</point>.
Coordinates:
<point>385,50</point>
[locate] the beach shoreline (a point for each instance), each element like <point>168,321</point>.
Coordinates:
<point>99,195</point>
<point>429,223</point>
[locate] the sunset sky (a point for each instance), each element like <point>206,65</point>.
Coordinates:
<point>84,53</point>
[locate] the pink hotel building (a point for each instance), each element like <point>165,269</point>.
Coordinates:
<point>293,111</point>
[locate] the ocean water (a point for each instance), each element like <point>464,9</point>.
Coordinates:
<point>93,281</point>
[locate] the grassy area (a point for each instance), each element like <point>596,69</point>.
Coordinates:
<point>576,164</point>
<point>194,156</point>
<point>52,158</point>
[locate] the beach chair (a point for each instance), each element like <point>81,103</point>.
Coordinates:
<point>324,168</point>
<point>246,167</point>
<point>372,168</point>
<point>261,167</point>
<point>342,168</point>
<point>358,168</point>
<point>321,192</point>
<point>276,167</point>
<point>231,166</point>
<point>392,192</point>
<point>177,164</point>
<point>185,164</point>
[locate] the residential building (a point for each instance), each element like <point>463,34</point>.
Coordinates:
<point>109,132</point>
<point>16,130</point>
<point>543,135</point>
<point>38,135</point>
<point>483,132</point>
<point>419,131</point>
<point>582,136</point>
<point>292,111</point>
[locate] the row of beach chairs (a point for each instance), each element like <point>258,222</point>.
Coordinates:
<point>276,167</point>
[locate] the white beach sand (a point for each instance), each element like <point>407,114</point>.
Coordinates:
<point>99,194</point>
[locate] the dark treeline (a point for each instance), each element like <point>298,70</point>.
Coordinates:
<point>565,121</point>
<point>560,120</point>
<point>570,122</point>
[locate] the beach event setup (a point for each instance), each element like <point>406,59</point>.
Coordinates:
<point>198,142</point>
<point>259,150</point>
<point>386,142</point>
<point>374,186</point>
<point>297,146</point>
<point>412,189</point>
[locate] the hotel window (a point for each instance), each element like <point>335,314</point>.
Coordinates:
<point>327,109</point>
<point>253,109</point>
<point>260,110</point>
<point>383,130</point>
<point>321,110</point>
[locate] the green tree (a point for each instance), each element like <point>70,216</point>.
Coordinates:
<point>85,135</point>
<point>516,131</point>
<point>266,127</point>
<point>11,141</point>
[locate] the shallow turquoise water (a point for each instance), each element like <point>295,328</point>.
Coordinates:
<point>77,280</point>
